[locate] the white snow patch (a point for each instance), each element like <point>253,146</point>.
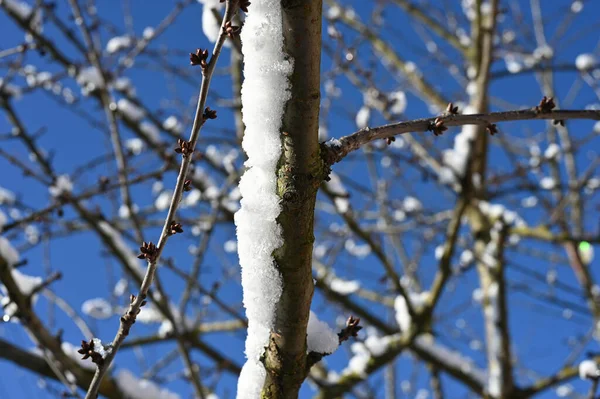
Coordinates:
<point>140,388</point>
<point>20,8</point>
<point>7,197</point>
<point>124,212</point>
<point>363,352</point>
<point>403,318</point>
<point>552,151</point>
<point>320,337</point>
<point>122,247</point>
<point>342,204</point>
<point>411,204</point>
<point>135,145</point>
<point>148,33</point>
<point>97,308</point>
<point>450,358</point>
<point>230,246</point>
<point>32,234</point>
<point>588,369</point>
<point>564,390</point>
<point>210,25</point>
<point>358,250</point>
<point>585,61</point>
<point>529,202</point>
<point>118,43</point>
<point>172,124</point>
<point>264,94</point>
<point>62,185</point>
<point>344,287</point>
<point>8,252</point>
<point>151,131</point>
<point>547,183</point>
<point>130,110</point>
<point>163,200</point>
<point>89,79</point>
<point>362,117</point>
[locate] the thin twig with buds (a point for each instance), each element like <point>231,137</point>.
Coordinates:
<point>199,119</point>
<point>335,150</point>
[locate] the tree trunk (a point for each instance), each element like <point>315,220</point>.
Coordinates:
<point>300,171</point>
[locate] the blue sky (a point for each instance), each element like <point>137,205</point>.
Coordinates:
<point>541,334</point>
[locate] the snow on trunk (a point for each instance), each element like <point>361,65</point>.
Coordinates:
<point>264,93</point>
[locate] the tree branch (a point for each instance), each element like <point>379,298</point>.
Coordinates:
<point>335,150</point>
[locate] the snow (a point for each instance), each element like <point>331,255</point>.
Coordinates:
<point>529,202</point>
<point>264,93</point>
<point>32,234</point>
<point>62,185</point>
<point>547,183</point>
<point>7,197</point>
<point>585,61</point>
<point>497,211</point>
<point>172,124</point>
<point>8,252</point>
<point>124,211</point>
<point>135,145</point>
<point>334,12</point>
<point>358,250</point>
<point>148,33</point>
<point>398,99</point>
<point>449,357</point>
<point>150,314</point>
<point>588,369</point>
<point>344,287</point>
<point>564,390</point>
<point>210,25</point>
<point>10,89</point>
<point>230,246</point>
<point>25,282</point>
<point>342,204</point>
<point>402,316</point>
<point>455,159</point>
<point>439,251</point>
<point>364,351</point>
<point>163,200</point>
<point>123,84</point>
<point>97,308</point>
<point>130,110</point>
<point>120,287</point>
<point>320,337</point>
<point>552,151</point>
<point>192,198</point>
<point>411,204</point>
<point>140,388</point>
<point>477,295</point>
<point>20,8</point>
<point>544,52</point>
<point>89,79</point>
<point>333,143</point>
<point>151,131</point>
<point>117,44</point>
<point>362,117</point>
<point>586,252</point>
<point>124,250</point>
<point>576,6</point>
<point>466,257</point>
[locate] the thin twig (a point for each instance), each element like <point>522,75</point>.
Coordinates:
<point>336,149</point>
<point>136,303</point>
